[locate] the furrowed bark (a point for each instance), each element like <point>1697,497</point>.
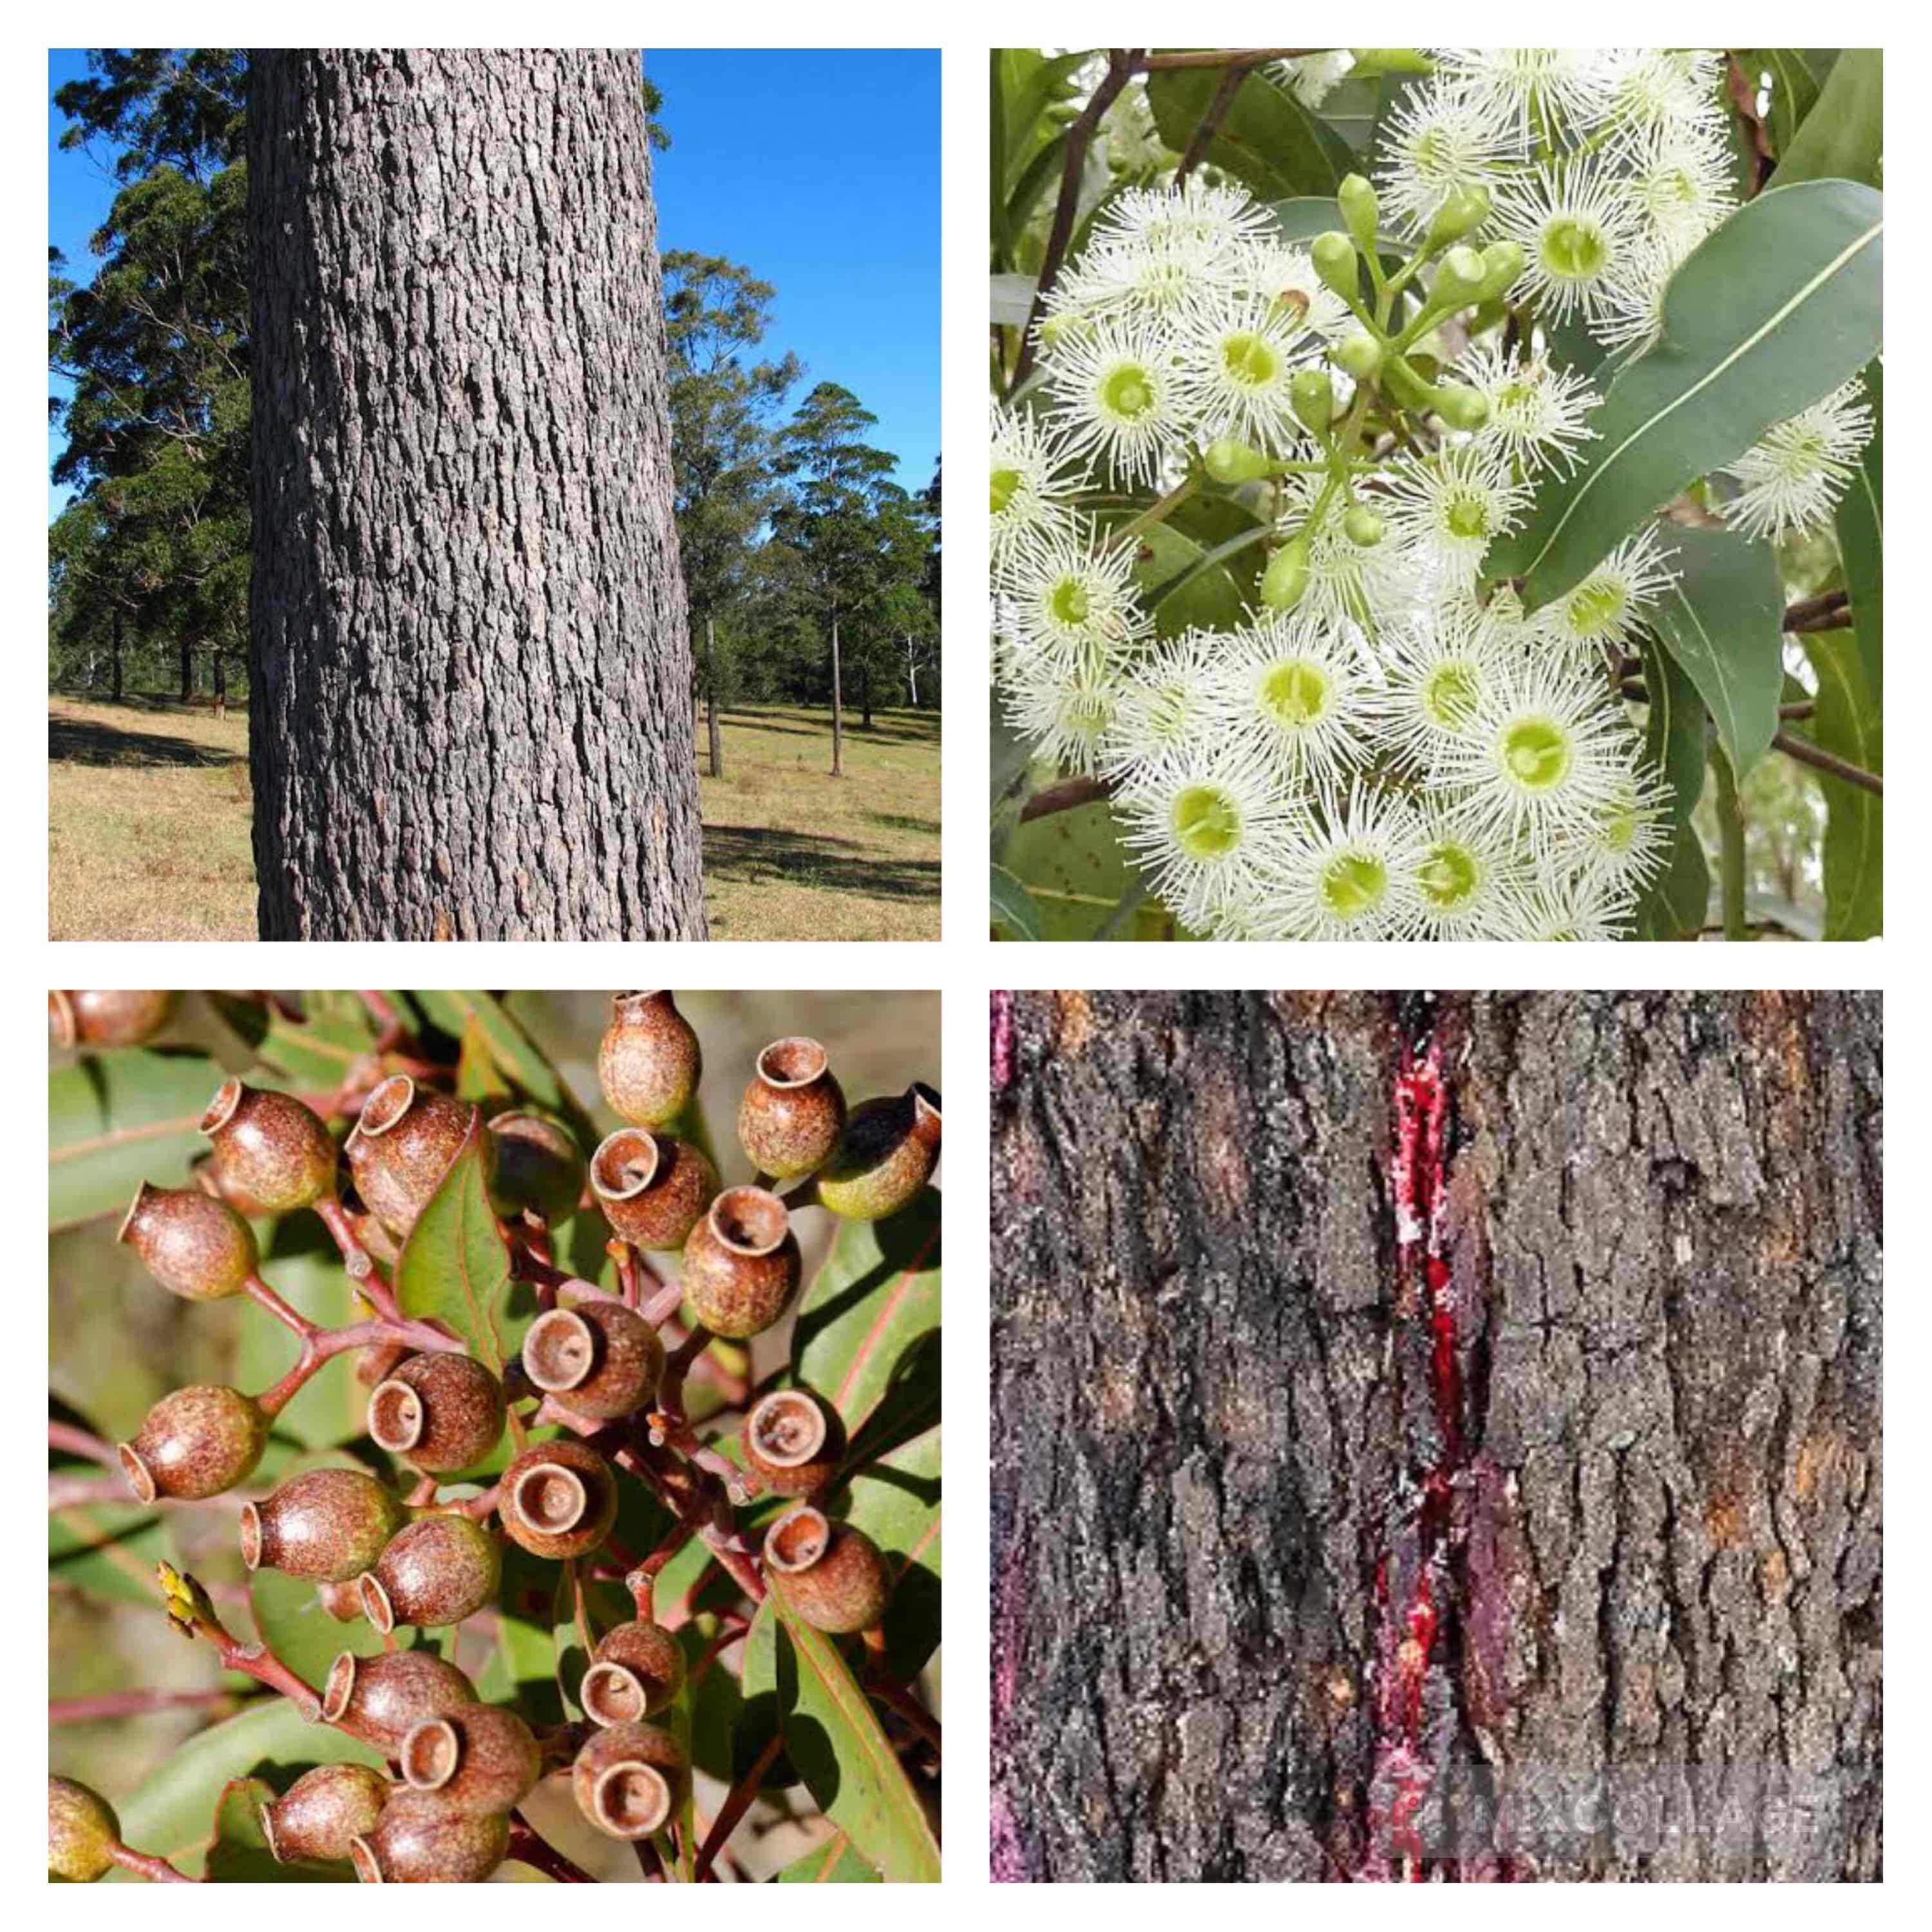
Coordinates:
<point>470,677</point>
<point>1647,1395</point>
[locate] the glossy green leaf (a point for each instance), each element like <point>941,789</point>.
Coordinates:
<point>1301,218</point>
<point>289,1617</point>
<point>172,1811</point>
<point>515,1053</point>
<point>119,1117</point>
<point>1861,540</point>
<point>874,1300</point>
<point>1847,723</point>
<point>455,1265</point>
<point>240,1854</point>
<point>834,1862</point>
<point>1796,75</point>
<point>1266,139</point>
<point>584,1612</point>
<point>1843,137</point>
<point>1774,310</point>
<point>316,1051</point>
<point>1723,622</point>
<point>1014,915</point>
<point>835,1744</point>
<point>895,1500</point>
<point>1185,584</point>
<point>1073,866</point>
<point>509,1650</point>
<point>1674,738</point>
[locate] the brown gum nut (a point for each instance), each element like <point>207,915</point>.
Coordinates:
<point>476,1758</point>
<point>742,1263</point>
<point>439,1410</point>
<point>629,1779</point>
<point>601,1359</point>
<point>653,1188</point>
<point>325,1526</point>
<point>323,1810</point>
<point>434,1572</point>
<point>403,1146</point>
<point>384,1697</point>
<point>107,1018</point>
<point>271,1152</point>
<point>638,1670</point>
<point>793,1441</point>
<point>832,1574</point>
<point>420,1841</point>
<point>649,1062</point>
<point>195,1246</point>
<point>885,1157</point>
<point>195,1443</point>
<point>790,1118</point>
<point>558,1499</point>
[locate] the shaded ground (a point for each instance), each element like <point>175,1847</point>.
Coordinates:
<point>148,833</point>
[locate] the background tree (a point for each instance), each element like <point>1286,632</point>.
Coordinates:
<point>837,482</point>
<point>471,716</point>
<point>1652,1648</point>
<point>155,350</point>
<point>722,406</point>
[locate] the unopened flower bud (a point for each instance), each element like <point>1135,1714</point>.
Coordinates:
<point>1229,461</point>
<point>1334,257</point>
<point>1458,279</point>
<point>1362,526</point>
<point>1460,406</point>
<point>1286,576</point>
<point>1462,209</point>
<point>1502,263</point>
<point>1359,210</point>
<point>1360,354</point>
<point>1312,393</point>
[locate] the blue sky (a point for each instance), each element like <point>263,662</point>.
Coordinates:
<point>817,170</point>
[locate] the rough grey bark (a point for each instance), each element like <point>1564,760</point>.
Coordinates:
<point>1662,1658</point>
<point>470,711</point>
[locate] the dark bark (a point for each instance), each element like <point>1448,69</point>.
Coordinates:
<point>866,694</point>
<point>187,671</point>
<point>1216,1430</point>
<point>218,666</point>
<point>711,732</point>
<point>117,654</point>
<point>470,713</point>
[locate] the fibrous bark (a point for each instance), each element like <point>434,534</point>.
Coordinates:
<point>470,715</point>
<point>1631,1446</point>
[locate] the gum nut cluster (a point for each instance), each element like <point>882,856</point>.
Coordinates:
<point>459,1765</point>
<point>1382,746</point>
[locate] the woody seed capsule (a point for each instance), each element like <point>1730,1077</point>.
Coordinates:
<point>886,1155</point>
<point>831,1575</point>
<point>420,1841</point>
<point>600,1359</point>
<point>649,1062</point>
<point>741,1263</point>
<point>436,1571</point>
<point>477,1758</point>
<point>195,1443</point>
<point>791,1114</point>
<point>638,1670</point>
<point>558,1499</point>
<point>629,1779</point>
<point>440,1410</point>
<point>194,1245</point>
<point>652,1188</point>
<point>272,1154</point>
<point>324,1810</point>
<point>403,1146</point>
<point>384,1697</point>
<point>326,1526</point>
<point>793,1441</point>
<point>107,1018</point>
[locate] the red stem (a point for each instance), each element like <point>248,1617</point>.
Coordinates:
<point>144,1864</point>
<point>529,1848</point>
<point>733,1809</point>
<point>81,1442</point>
<point>323,1345</point>
<point>130,1704</point>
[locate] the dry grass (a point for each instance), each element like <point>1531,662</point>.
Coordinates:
<point>147,806</point>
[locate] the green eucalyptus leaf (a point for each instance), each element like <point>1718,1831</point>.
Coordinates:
<point>1843,137</point>
<point>455,1265</point>
<point>120,1117</point>
<point>835,1862</point>
<point>516,1054</point>
<point>1073,867</point>
<point>1796,76</point>
<point>291,1620</point>
<point>509,1651</point>
<point>874,1300</point>
<point>1723,622</point>
<point>1861,523</point>
<point>1675,742</point>
<point>1185,584</point>
<point>834,1742</point>
<point>317,1050</point>
<point>171,1812</point>
<point>1847,722</point>
<point>1014,913</point>
<point>1266,138</point>
<point>1775,309</point>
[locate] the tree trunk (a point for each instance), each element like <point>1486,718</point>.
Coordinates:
<point>471,715</point>
<point>218,668</point>
<point>116,673</point>
<point>716,737</point>
<point>865,693</point>
<point>837,709</point>
<point>1436,1453</point>
<point>187,672</point>
<point>912,672</point>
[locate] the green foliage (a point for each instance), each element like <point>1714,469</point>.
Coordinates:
<point>118,1117</point>
<point>1848,724</point>
<point>1266,137</point>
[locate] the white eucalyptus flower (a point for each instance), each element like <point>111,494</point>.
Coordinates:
<point>1065,712</point>
<point>1350,873</point>
<point>1202,824</point>
<point>1581,239</point>
<point>1031,488</point>
<point>1066,600</point>
<point>1453,505</point>
<point>1163,702</point>
<point>1586,907</point>
<point>1546,754</point>
<point>1283,274</point>
<point>1603,611</point>
<point>1118,399</point>
<point>1219,217</point>
<point>1235,359</point>
<point>1435,671</point>
<point>1680,179</point>
<point>1440,140</point>
<point>1292,692</point>
<point>1567,84</point>
<point>1134,281</point>
<point>1629,840</point>
<point>1537,411</point>
<point>1795,475</point>
<point>1311,78</point>
<point>1650,90</point>
<point>1468,877</point>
